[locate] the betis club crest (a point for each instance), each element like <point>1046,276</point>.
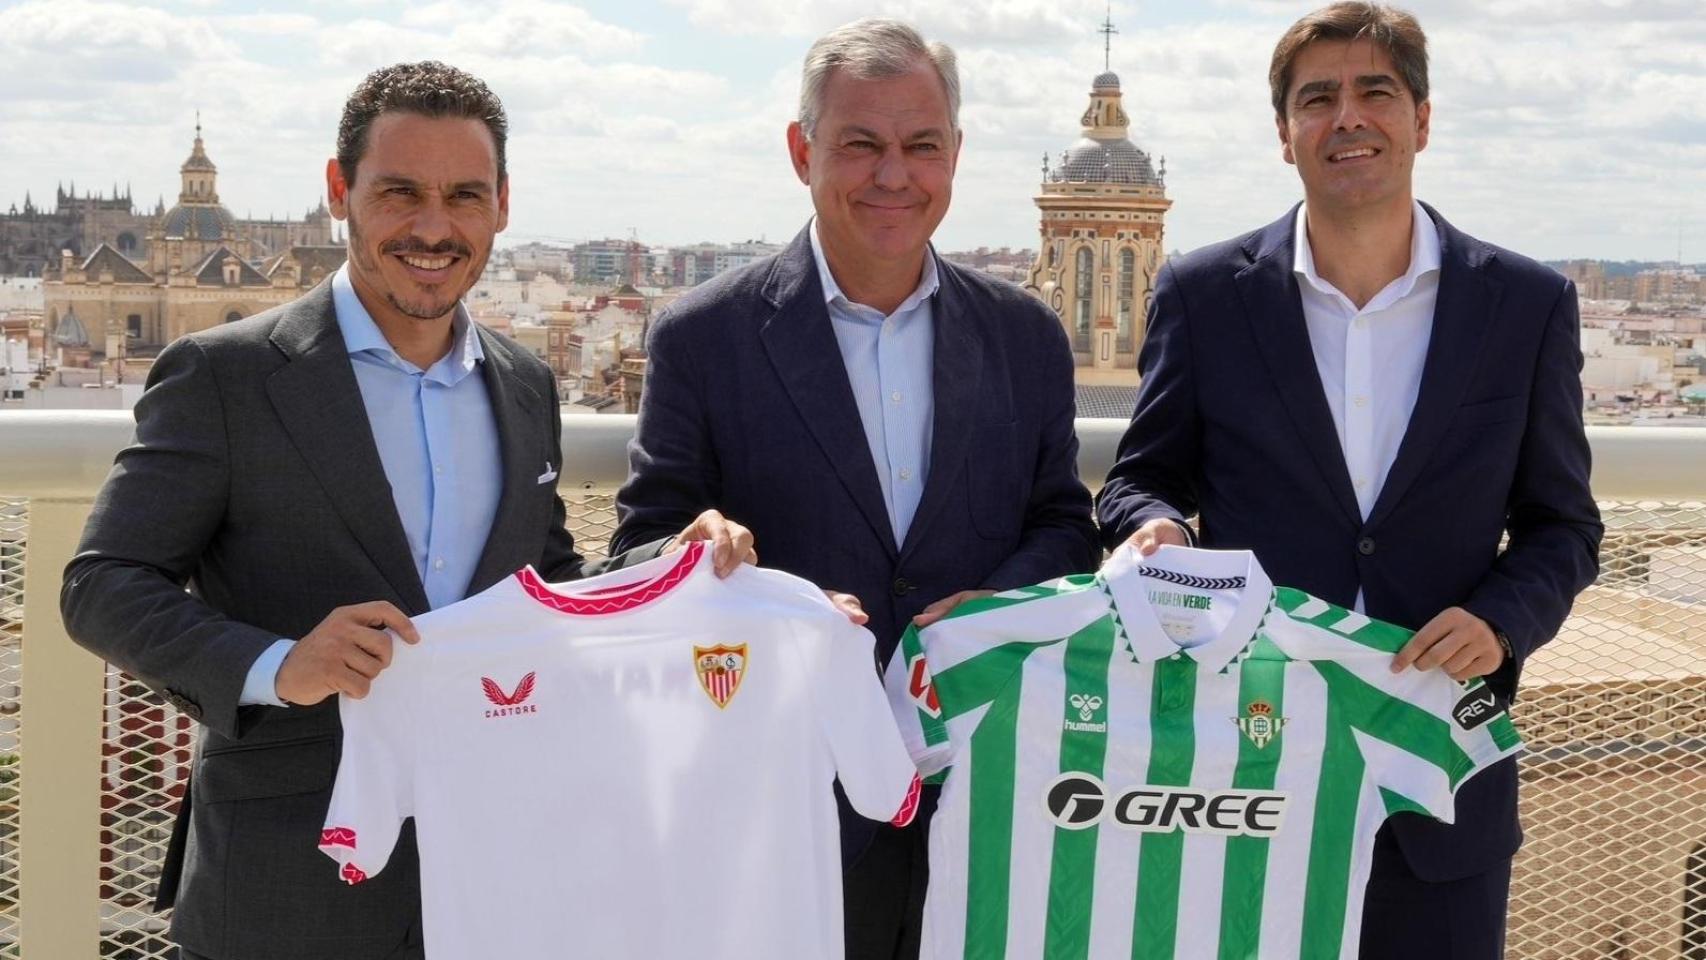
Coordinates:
<point>720,670</point>
<point>1259,723</point>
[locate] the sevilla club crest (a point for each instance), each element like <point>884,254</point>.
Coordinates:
<point>720,670</point>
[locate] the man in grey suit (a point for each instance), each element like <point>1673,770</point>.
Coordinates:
<point>316,475</point>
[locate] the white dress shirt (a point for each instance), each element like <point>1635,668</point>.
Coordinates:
<point>890,361</point>
<point>1370,360</point>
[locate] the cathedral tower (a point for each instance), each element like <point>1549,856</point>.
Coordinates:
<point>1102,210</point>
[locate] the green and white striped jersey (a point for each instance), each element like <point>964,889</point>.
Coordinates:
<point>1171,759</point>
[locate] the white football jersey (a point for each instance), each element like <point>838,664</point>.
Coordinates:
<point>633,765</point>
<point>1172,760</point>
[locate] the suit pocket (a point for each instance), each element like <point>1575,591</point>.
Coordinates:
<point>274,770</point>
<point>1501,410</point>
<point>996,486</point>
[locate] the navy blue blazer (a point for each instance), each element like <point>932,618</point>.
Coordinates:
<point>1231,424</point>
<point>747,408</point>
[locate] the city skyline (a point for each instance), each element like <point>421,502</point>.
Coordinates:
<point>1582,141</point>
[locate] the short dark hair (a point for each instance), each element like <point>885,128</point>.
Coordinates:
<point>1391,28</point>
<point>429,88</point>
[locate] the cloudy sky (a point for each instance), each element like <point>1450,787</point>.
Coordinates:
<point>1562,128</point>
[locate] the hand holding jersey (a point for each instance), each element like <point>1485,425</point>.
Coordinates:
<point>1172,736</point>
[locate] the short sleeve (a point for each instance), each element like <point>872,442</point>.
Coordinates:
<point>374,790</point>
<point>871,760</point>
<point>1421,734</point>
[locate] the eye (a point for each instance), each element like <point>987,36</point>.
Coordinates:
<point>399,191</point>
<point>861,145</point>
<point>925,148</point>
<point>467,195</point>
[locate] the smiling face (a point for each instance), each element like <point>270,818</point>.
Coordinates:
<point>423,212</point>
<point>880,165</point>
<point>1351,127</point>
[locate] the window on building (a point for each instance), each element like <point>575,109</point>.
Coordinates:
<point>1128,285</point>
<point>233,317</point>
<point>1081,292</point>
<point>133,325</point>
<point>127,243</point>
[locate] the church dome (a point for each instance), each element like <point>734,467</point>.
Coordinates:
<point>1107,161</point>
<point>199,221</point>
<point>1106,81</point>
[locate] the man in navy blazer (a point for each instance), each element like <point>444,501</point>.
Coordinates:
<point>887,423</point>
<point>1370,399</point>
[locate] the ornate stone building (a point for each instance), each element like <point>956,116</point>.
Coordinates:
<point>202,267</point>
<point>1102,208</point>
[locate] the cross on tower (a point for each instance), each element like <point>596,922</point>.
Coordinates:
<point>1107,31</point>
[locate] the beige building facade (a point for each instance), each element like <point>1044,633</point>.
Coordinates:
<point>202,267</point>
<point>1103,209</point>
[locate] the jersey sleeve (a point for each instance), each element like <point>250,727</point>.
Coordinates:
<point>374,790</point>
<point>871,761</point>
<point>1421,733</point>
<point>912,697</point>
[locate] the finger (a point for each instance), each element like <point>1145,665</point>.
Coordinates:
<point>1479,666</point>
<point>375,643</point>
<point>752,555</point>
<point>1447,647</point>
<point>362,662</point>
<point>353,685</point>
<point>937,610</point>
<point>849,606</point>
<point>1458,665</point>
<point>1147,543</point>
<point>1419,644</point>
<point>381,613</point>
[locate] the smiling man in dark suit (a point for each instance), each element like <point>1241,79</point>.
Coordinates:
<point>1370,399</point>
<point>317,474</point>
<point>888,423</point>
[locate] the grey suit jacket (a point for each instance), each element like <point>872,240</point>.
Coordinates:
<point>254,479</point>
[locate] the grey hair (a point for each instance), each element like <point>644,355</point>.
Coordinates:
<point>875,48</point>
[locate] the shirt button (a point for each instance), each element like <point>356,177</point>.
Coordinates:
<point>895,396</point>
<point>1362,482</point>
<point>1360,401</point>
<point>438,564</point>
<point>437,468</point>
<point>1365,546</point>
<point>905,474</point>
<point>1360,322</point>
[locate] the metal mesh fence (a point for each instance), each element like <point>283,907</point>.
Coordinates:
<point>1614,781</point>
<point>14,527</point>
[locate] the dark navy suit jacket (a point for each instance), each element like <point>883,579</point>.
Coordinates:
<point>1232,425</point>
<point>747,408</point>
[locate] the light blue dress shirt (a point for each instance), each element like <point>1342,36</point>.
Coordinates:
<point>438,443</point>
<point>889,362</point>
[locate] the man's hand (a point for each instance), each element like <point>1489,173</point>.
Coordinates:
<point>1457,641</point>
<point>343,654</point>
<point>731,543</point>
<point>946,605</point>
<point>849,606</point>
<point>1156,532</point>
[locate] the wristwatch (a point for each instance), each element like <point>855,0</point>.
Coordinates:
<point>1504,643</point>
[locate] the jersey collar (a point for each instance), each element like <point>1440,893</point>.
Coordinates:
<point>1125,578</point>
<point>616,592</point>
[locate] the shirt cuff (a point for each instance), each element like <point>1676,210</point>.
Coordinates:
<point>1190,535</point>
<point>260,687</point>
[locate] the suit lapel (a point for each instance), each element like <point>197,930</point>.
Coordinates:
<point>515,407</point>
<point>803,350</point>
<point>1465,307</point>
<point>1275,314</point>
<point>320,406</point>
<point>956,379</point>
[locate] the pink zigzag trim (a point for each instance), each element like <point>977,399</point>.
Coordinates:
<point>612,603</point>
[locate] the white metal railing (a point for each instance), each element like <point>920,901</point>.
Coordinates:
<point>1614,710</point>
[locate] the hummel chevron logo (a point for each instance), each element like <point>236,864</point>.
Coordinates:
<point>509,704</point>
<point>1193,581</point>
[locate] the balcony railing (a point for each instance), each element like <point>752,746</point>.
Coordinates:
<point>1614,710</point>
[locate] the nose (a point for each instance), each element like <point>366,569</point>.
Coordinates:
<point>1349,116</point>
<point>432,220</point>
<point>891,172</point>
